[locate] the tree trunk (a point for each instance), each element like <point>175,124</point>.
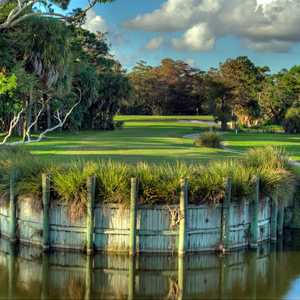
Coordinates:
<point>224,125</point>
<point>48,116</point>
<point>35,127</point>
<point>29,113</point>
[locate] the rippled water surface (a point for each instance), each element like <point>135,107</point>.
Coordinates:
<point>271,272</point>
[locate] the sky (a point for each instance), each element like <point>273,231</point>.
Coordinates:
<point>200,32</point>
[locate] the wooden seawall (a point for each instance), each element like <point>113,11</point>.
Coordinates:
<point>156,227</point>
<point>178,229</point>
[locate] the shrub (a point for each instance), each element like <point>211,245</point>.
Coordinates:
<point>209,139</point>
<point>291,123</point>
<point>119,124</point>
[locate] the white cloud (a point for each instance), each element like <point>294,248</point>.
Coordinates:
<point>174,15</point>
<point>274,46</point>
<point>94,22</point>
<point>197,38</point>
<point>191,62</point>
<point>154,43</point>
<point>262,25</point>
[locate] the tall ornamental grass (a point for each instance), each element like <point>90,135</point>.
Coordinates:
<point>158,183</point>
<point>27,169</point>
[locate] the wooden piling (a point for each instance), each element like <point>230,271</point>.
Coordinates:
<point>45,277</point>
<point>46,204</point>
<point>252,275</point>
<point>254,216</point>
<point>131,278</point>
<point>88,278</point>
<point>13,207</point>
<point>280,220</point>
<point>223,282</point>
<point>11,271</point>
<point>133,216</point>
<point>274,217</point>
<point>183,206</point>
<point>181,277</point>
<point>226,215</point>
<point>91,189</point>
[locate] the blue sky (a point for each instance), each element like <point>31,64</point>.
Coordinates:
<point>201,32</point>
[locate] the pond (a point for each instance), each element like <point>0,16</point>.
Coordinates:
<point>271,272</point>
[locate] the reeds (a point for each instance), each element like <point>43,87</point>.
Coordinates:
<point>158,183</point>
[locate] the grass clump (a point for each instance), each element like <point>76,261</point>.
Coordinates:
<point>208,184</point>
<point>27,169</point>
<point>69,185</point>
<point>208,139</point>
<point>272,165</point>
<point>158,183</point>
<point>113,182</point>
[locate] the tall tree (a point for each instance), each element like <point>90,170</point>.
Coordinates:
<point>15,12</point>
<point>280,92</point>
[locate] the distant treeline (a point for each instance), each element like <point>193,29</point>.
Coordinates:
<point>237,91</point>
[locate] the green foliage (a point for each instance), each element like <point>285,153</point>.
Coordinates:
<point>113,181</point>
<point>7,83</point>
<point>158,184</point>
<point>271,164</point>
<point>208,139</point>
<point>280,92</point>
<point>291,123</point>
<point>28,170</point>
<point>208,183</point>
<point>165,89</point>
<point>119,124</point>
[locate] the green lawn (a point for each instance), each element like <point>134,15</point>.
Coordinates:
<point>152,138</point>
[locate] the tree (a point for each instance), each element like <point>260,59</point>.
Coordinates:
<point>173,87</point>
<point>280,92</point>
<point>220,98</point>
<point>15,12</point>
<point>245,80</point>
<point>100,78</point>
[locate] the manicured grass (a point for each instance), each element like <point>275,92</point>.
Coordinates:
<point>134,118</point>
<point>154,139</point>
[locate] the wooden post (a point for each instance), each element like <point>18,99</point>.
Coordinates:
<point>254,218</point>
<point>13,207</point>
<point>45,277</point>
<point>226,215</point>
<point>274,216</point>
<point>183,206</point>
<point>131,278</point>
<point>133,216</point>
<point>252,273</point>
<point>223,284</point>
<point>11,271</point>
<point>91,189</point>
<point>280,220</point>
<point>181,277</point>
<point>46,203</point>
<point>88,278</point>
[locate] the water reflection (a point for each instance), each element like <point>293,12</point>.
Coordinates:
<point>268,273</point>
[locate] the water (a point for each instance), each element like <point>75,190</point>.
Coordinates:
<point>268,273</point>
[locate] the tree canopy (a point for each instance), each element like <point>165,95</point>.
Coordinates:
<point>54,74</point>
